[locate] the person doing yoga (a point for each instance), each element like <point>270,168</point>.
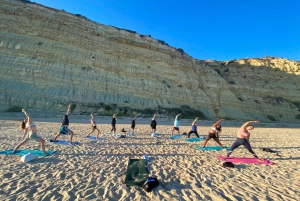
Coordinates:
<point>64,128</point>
<point>194,128</point>
<point>30,133</point>
<point>214,132</point>
<point>94,127</point>
<point>153,125</point>
<point>133,124</point>
<point>113,123</point>
<point>176,125</point>
<point>243,136</point>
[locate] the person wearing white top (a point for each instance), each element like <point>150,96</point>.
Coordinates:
<point>214,132</point>
<point>176,125</point>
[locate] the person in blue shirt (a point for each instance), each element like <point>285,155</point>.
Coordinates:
<point>176,125</point>
<point>194,128</point>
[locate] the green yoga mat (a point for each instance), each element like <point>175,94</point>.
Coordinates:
<point>137,171</point>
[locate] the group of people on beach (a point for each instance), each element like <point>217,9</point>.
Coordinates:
<point>243,135</point>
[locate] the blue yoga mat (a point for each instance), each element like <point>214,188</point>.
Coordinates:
<point>194,139</point>
<point>132,134</point>
<point>94,138</point>
<point>211,148</point>
<point>23,152</point>
<point>177,136</point>
<point>64,142</point>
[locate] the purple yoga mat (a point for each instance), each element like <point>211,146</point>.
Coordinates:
<point>245,160</point>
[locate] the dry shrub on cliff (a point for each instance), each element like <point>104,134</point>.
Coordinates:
<point>271,118</point>
<point>14,109</point>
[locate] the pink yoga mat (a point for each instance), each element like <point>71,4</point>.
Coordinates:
<point>245,160</point>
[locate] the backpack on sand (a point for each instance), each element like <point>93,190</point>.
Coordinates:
<point>228,165</point>
<point>150,184</point>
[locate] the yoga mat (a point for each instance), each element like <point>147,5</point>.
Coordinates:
<point>94,138</point>
<point>211,148</point>
<point>132,134</point>
<point>64,142</point>
<point>23,152</point>
<point>245,160</point>
<point>194,139</point>
<point>137,172</point>
<point>155,135</point>
<point>177,136</point>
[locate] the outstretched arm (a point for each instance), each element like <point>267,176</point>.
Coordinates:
<point>69,109</point>
<point>154,117</point>
<point>195,120</point>
<point>247,123</point>
<point>28,117</point>
<point>217,122</point>
<point>92,118</point>
<point>177,115</point>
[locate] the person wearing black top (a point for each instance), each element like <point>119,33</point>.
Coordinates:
<point>113,123</point>
<point>64,128</point>
<point>133,124</point>
<point>153,125</point>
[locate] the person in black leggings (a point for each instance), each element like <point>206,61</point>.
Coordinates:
<point>194,128</point>
<point>214,133</point>
<point>243,136</point>
<point>113,123</point>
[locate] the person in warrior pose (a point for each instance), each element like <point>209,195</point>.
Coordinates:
<point>94,127</point>
<point>194,128</point>
<point>64,128</point>
<point>176,125</point>
<point>30,133</point>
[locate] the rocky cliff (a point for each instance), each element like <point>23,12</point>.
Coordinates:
<point>49,58</point>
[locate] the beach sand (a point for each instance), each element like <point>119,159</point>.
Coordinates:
<point>95,170</point>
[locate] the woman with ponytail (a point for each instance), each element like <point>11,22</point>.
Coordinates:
<point>30,133</point>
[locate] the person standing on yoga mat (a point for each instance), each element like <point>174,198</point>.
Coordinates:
<point>176,125</point>
<point>113,123</point>
<point>94,126</point>
<point>243,136</point>
<point>153,125</point>
<point>133,124</point>
<point>64,128</point>
<point>194,128</point>
<point>30,133</point>
<point>214,132</point>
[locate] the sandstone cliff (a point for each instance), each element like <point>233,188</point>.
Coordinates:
<point>50,58</point>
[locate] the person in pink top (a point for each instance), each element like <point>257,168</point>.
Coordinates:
<point>243,136</point>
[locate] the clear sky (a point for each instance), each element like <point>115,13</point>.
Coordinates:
<point>205,29</point>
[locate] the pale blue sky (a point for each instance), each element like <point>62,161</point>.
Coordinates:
<point>204,29</point>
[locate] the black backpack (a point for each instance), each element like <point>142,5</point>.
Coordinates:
<point>228,165</point>
<point>150,184</point>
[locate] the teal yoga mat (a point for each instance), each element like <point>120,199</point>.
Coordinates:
<point>64,142</point>
<point>194,139</point>
<point>137,172</point>
<point>211,148</point>
<point>23,152</point>
<point>94,138</point>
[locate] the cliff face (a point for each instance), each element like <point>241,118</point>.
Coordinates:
<point>49,58</point>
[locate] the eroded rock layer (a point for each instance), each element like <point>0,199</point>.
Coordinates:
<point>50,58</point>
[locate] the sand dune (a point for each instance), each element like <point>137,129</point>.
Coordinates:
<point>95,170</point>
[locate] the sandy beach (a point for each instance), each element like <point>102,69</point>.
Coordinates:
<point>95,170</point>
